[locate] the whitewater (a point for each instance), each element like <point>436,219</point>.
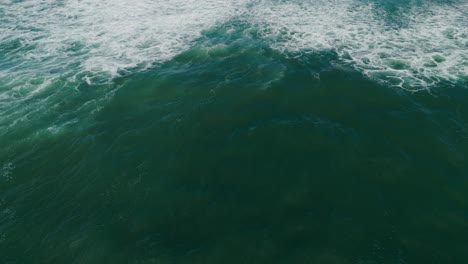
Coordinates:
<point>51,52</point>
<point>84,39</point>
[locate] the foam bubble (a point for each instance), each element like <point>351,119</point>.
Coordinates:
<point>105,35</point>
<point>93,41</point>
<point>426,46</point>
<point>7,213</point>
<point>47,46</point>
<point>6,171</point>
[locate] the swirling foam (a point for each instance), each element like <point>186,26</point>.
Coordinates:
<point>6,171</point>
<point>47,45</point>
<point>103,35</point>
<point>430,47</point>
<point>93,41</point>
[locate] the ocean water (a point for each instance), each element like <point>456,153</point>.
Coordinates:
<point>234,131</point>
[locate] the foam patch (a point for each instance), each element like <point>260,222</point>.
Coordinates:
<point>430,47</point>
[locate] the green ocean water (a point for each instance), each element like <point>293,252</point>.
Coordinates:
<point>331,132</point>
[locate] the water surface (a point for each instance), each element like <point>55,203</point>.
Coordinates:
<point>233,131</point>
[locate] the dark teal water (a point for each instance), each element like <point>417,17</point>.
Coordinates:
<point>253,142</point>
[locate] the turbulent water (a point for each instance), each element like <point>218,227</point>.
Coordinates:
<point>248,131</point>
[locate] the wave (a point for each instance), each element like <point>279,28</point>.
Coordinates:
<point>426,45</point>
<point>47,46</point>
<point>106,36</point>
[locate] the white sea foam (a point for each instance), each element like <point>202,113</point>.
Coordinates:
<point>48,44</point>
<point>429,47</point>
<point>6,171</point>
<point>79,38</point>
<point>105,36</point>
